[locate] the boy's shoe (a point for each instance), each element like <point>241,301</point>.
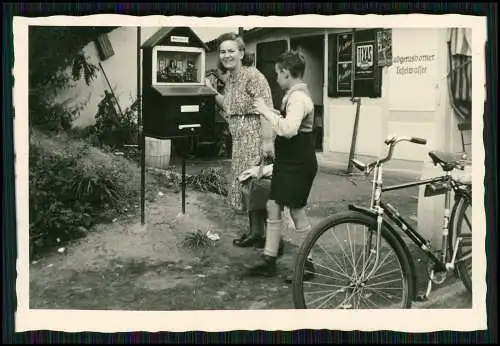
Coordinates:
<point>308,275</point>
<point>265,267</point>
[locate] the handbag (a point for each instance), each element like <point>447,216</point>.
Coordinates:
<point>256,191</point>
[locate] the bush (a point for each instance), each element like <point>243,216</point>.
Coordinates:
<point>72,186</point>
<point>112,129</point>
<point>209,180</point>
<point>196,240</point>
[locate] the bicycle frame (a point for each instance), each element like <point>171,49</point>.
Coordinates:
<point>443,262</point>
<point>393,214</point>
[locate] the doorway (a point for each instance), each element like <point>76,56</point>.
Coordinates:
<point>267,54</point>
<point>312,48</point>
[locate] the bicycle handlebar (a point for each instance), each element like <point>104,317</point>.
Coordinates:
<point>391,142</point>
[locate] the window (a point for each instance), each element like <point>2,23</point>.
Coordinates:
<point>364,64</point>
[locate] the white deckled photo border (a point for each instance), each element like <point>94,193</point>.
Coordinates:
<point>414,320</point>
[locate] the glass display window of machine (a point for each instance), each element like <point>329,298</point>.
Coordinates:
<point>178,65</point>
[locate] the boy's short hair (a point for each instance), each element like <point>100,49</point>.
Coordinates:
<point>292,61</point>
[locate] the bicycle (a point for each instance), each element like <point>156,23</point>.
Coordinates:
<point>356,284</point>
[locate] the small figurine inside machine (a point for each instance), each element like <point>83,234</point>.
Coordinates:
<point>190,74</point>
<point>177,67</point>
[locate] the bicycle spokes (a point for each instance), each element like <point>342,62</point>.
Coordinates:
<point>349,272</point>
<point>464,252</point>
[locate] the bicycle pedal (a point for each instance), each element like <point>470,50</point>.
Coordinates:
<point>421,298</point>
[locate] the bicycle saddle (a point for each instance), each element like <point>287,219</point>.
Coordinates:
<point>448,161</point>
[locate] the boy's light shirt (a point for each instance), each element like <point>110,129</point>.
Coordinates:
<point>298,106</point>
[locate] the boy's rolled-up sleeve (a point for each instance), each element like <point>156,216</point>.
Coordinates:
<point>297,107</point>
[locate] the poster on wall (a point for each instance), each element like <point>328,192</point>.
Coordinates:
<point>384,47</point>
<point>413,76</point>
<point>344,76</point>
<point>365,60</point>
<point>344,47</point>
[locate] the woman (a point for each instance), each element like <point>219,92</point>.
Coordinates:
<point>252,136</point>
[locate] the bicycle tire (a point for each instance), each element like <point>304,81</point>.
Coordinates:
<point>460,208</point>
<point>338,219</point>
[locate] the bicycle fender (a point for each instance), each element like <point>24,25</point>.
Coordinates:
<point>390,228</point>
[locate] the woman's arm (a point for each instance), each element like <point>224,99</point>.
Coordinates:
<point>258,87</point>
<point>219,98</point>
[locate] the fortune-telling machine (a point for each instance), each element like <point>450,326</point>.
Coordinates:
<point>177,105</point>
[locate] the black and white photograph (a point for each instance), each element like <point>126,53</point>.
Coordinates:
<point>311,172</point>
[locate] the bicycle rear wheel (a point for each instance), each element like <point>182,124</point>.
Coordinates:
<point>462,227</point>
<point>340,278</point>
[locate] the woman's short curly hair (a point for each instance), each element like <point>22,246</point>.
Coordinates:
<point>232,36</point>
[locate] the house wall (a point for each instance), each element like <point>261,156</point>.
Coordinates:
<point>399,110</point>
<point>211,59</point>
<point>121,70</point>
<point>313,75</point>
<point>410,105</point>
<point>314,69</point>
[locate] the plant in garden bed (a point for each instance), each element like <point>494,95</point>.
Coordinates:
<point>197,239</point>
<point>74,185</point>
<point>114,129</point>
<point>207,180</point>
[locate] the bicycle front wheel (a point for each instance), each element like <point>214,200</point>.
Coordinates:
<point>462,228</point>
<point>338,267</point>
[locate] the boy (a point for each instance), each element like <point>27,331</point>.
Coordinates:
<point>295,164</point>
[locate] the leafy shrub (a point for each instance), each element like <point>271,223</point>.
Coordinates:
<point>52,116</point>
<point>113,129</point>
<point>57,61</point>
<point>209,180</point>
<point>196,240</point>
<point>72,186</point>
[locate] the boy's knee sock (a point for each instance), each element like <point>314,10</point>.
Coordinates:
<point>300,220</point>
<point>273,237</point>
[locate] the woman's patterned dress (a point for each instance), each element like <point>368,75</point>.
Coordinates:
<point>241,88</point>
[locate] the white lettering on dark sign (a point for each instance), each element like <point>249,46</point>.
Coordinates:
<point>364,56</point>
<point>182,39</point>
<point>190,109</point>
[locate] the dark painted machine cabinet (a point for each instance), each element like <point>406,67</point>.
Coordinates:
<point>176,102</point>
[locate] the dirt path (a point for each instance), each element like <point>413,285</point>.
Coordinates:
<point>126,266</point>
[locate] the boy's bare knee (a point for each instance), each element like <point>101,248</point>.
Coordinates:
<point>272,205</point>
<point>273,210</point>
<point>300,219</point>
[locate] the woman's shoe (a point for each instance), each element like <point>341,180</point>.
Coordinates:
<point>255,236</point>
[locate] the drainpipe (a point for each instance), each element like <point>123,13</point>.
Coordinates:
<point>142,139</point>
<point>358,105</point>
<point>111,89</point>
